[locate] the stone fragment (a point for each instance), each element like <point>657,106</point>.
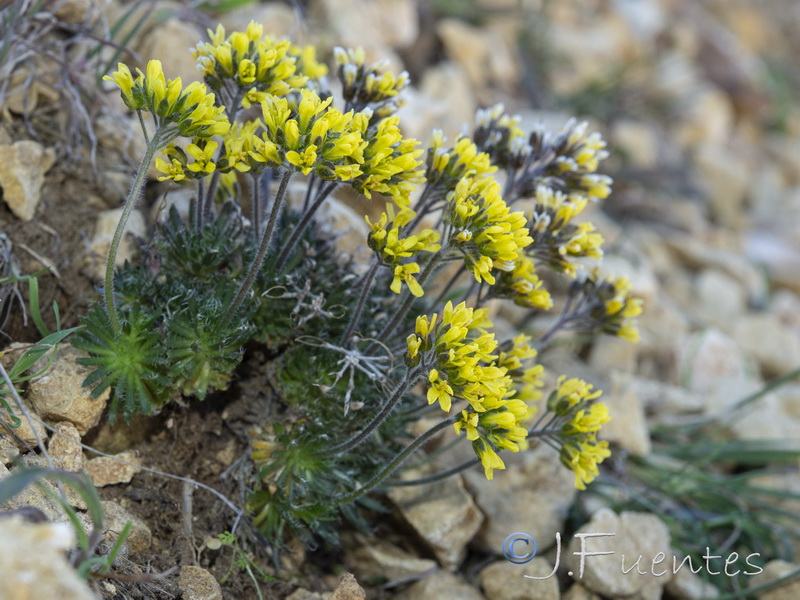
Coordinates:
<point>170,43</point>
<point>482,53</point>
<point>279,20</point>
<point>376,559</point>
<point>708,357</point>
<point>59,394</point>
<point>304,594</point>
<point>442,513</point>
<point>33,561</point>
<point>533,494</point>
<point>348,589</point>
<point>32,496</point>
<point>198,584</point>
<point>114,519</point>
<point>775,346</point>
<point>65,447</point>
<point>76,12</point>
<point>22,175</point>
<point>105,471</point>
<point>775,569</point>
<point>686,585</point>
<point>720,299</point>
<point>724,177</point>
<point>637,142</point>
<point>104,234</point>
<point>440,586</point>
<point>8,450</point>
<point>577,592</point>
<point>507,581</point>
<point>611,352</point>
<point>628,426</point>
<point>629,537</point>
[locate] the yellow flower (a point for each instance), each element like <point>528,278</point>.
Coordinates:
<point>489,458</point>
<point>131,95</point>
<point>583,460</point>
<point>413,343</point>
<point>203,157</point>
<point>469,422</point>
<point>172,170</point>
<point>405,274</point>
<point>439,391</point>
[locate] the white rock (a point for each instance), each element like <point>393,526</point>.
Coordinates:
<point>482,53</point>
<point>708,116</point>
<point>8,450</point>
<point>724,176</point>
<point>686,585</point>
<point>442,513</point>
<point>507,581</point>
<point>105,471</point>
<point>533,494</point>
<point>34,563</point>
<point>708,357</point>
<point>104,234</point>
<point>628,426</point>
<point>637,141</point>
<point>279,20</point>
<point>59,393</point>
<point>170,43</point>
<point>22,175</point>
<point>776,347</point>
<point>65,447</point>
<point>633,536</point>
<point>775,569</point>
<point>440,586</point>
<point>720,298</point>
<point>114,519</point>
<point>610,352</point>
<point>659,397</point>
<point>378,559</point>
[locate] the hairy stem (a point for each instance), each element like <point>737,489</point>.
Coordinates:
<point>155,144</point>
<point>262,250</point>
<point>394,464</point>
<point>409,300</point>
<point>255,208</point>
<point>378,419</point>
<point>322,195</point>
<point>366,287</point>
<point>437,476</point>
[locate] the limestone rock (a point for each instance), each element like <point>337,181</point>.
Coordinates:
<point>627,537</point>
<point>22,175</point>
<point>59,393</point>
<point>482,53</point>
<point>279,20</point>
<point>115,517</point>
<point>8,450</point>
<point>304,594</point>
<point>708,357</point>
<point>198,584</point>
<point>535,492</point>
<point>663,398</point>
<point>577,592</point>
<point>721,300</point>
<point>686,585</point>
<point>628,426</point>
<point>507,581</point>
<point>34,563</point>
<point>105,471</point>
<point>637,141</point>
<point>610,352</point>
<point>104,234</point>
<point>378,559</point>
<point>775,569</point>
<point>75,12</point>
<point>348,589</point>
<point>724,176</point>
<point>170,43</point>
<point>31,496</point>
<point>776,347</point>
<point>65,447</point>
<point>440,586</point>
<point>443,514</point>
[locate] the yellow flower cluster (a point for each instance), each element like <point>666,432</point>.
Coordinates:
<point>255,63</point>
<point>523,285</point>
<point>486,232</point>
<point>391,162</point>
<point>393,250</point>
<point>445,167</point>
<point>558,239</point>
<point>191,110</point>
<point>499,135</point>
<point>465,367</point>
<point>311,137</point>
<point>582,420</point>
<point>616,311</point>
<point>366,86</point>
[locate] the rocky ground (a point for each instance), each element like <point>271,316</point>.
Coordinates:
<point>698,102</point>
